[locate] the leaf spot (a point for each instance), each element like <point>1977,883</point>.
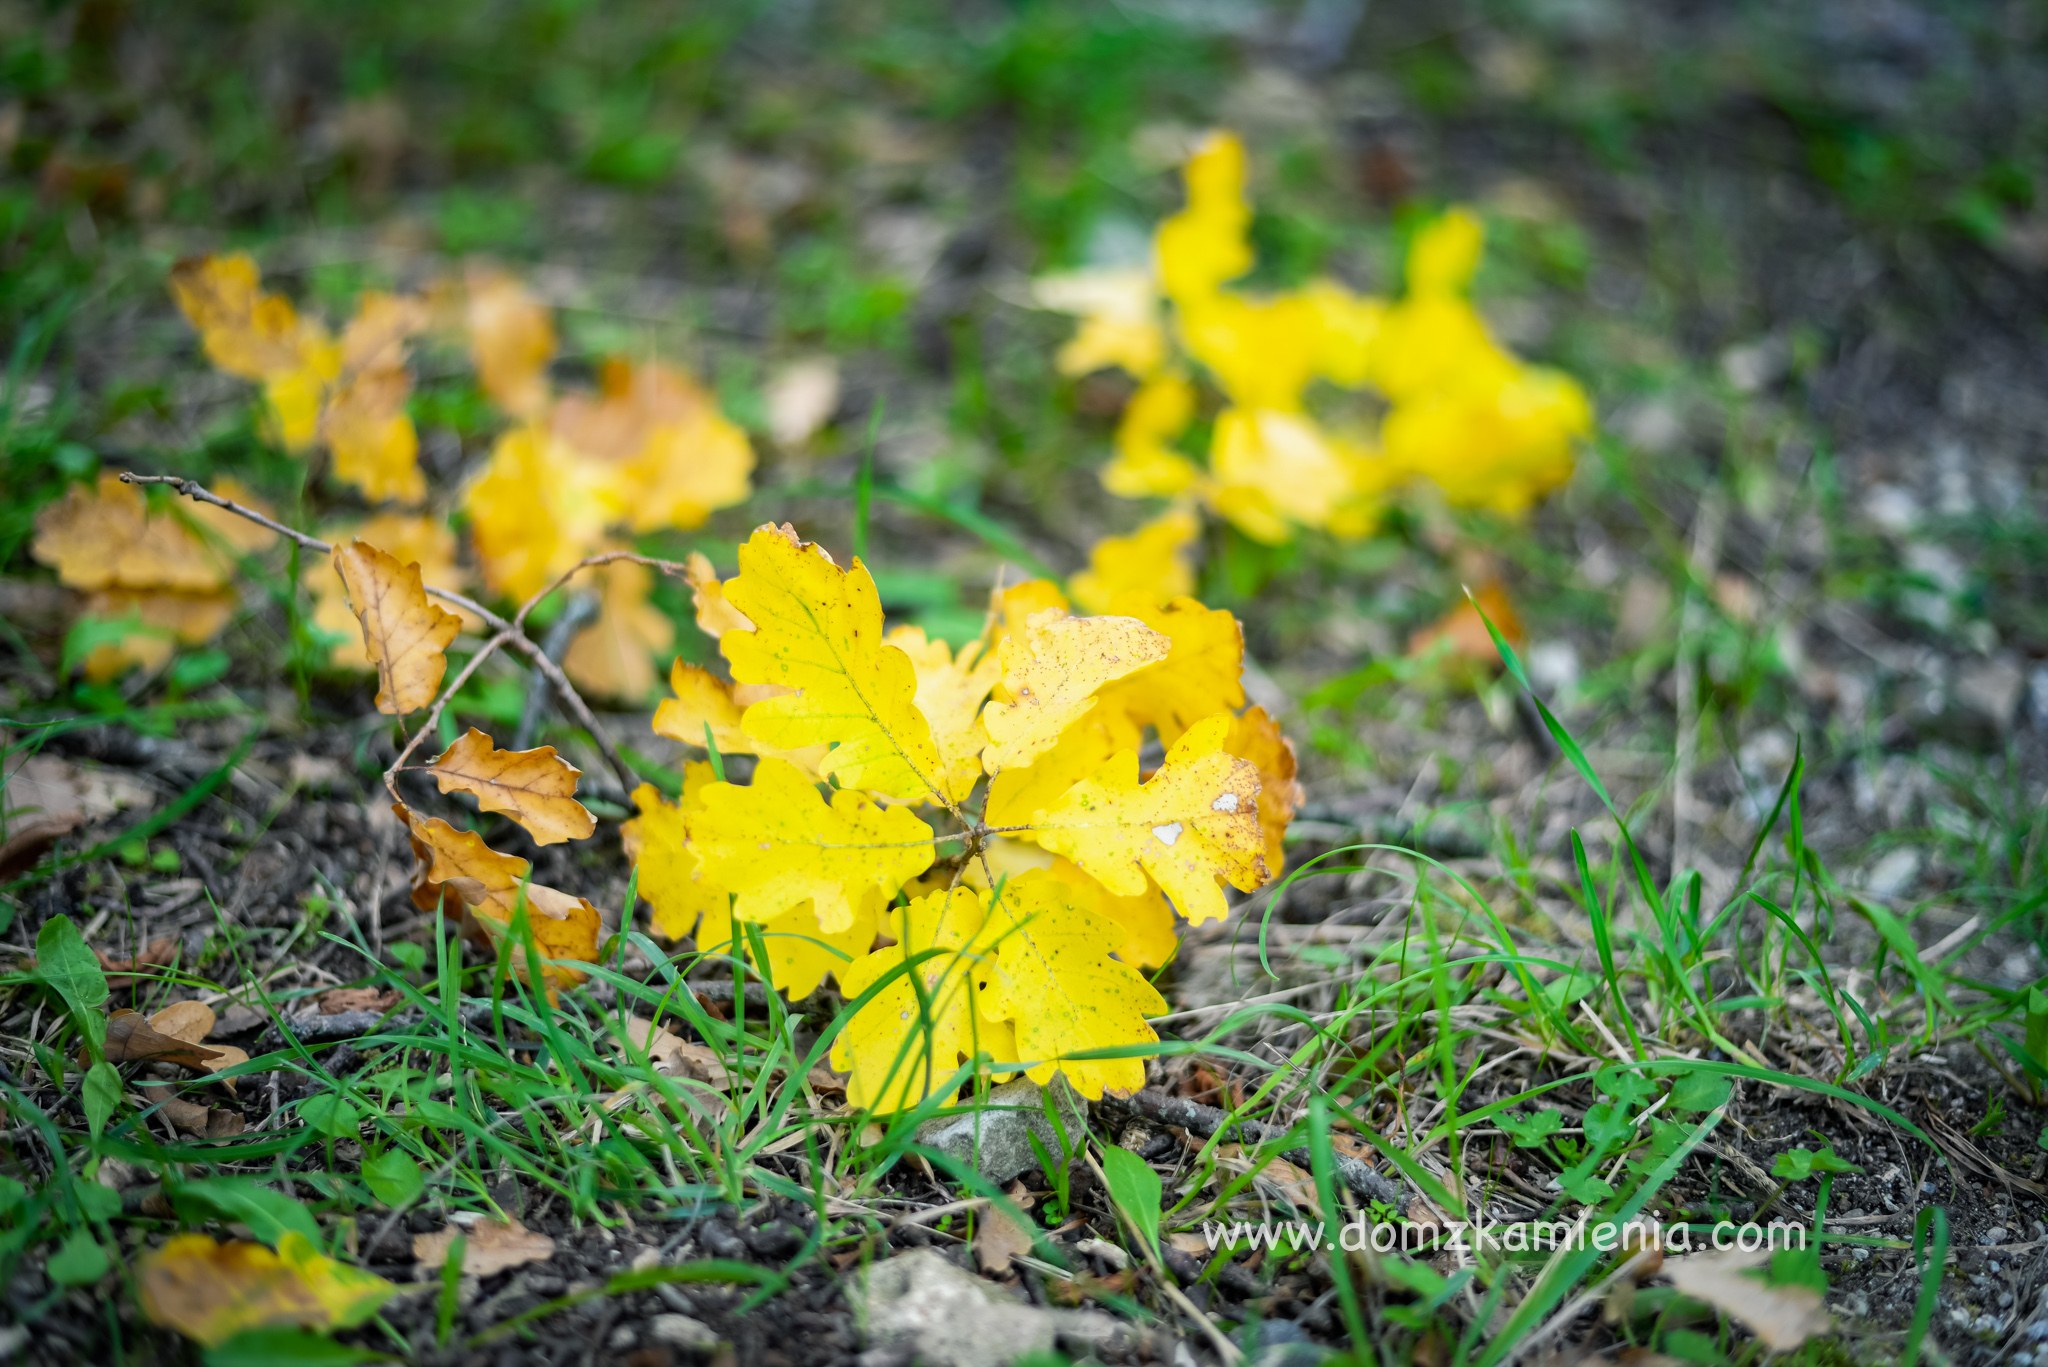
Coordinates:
<point>1227,802</point>
<point>1168,833</point>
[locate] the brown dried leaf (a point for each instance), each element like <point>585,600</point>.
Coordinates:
<point>336,1000</point>
<point>536,788</point>
<point>132,1038</point>
<point>190,1021</point>
<point>673,1054</point>
<point>491,1246</point>
<point>999,1238</point>
<point>1783,1317</point>
<point>404,632</point>
<point>160,952</point>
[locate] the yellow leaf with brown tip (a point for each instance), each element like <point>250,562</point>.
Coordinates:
<point>210,1292</point>
<point>536,788</point>
<point>404,632</point>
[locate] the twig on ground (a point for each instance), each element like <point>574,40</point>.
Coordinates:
<point>513,631</point>
<point>1196,1118</point>
<point>577,615</point>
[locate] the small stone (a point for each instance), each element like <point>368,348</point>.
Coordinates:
<point>625,1336</point>
<point>1992,689</point>
<point>995,1136</point>
<point>683,1331</point>
<point>1893,873</point>
<point>1891,508</point>
<point>1994,1235</point>
<point>922,1305</point>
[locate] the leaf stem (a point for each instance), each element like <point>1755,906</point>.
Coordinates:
<point>512,632</point>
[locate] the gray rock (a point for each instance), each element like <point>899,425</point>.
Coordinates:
<point>683,1331</point>
<point>922,1305</point>
<point>994,1137</point>
<point>1992,689</point>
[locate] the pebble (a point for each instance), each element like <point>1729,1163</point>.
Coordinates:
<point>682,1331</point>
<point>1994,1235</point>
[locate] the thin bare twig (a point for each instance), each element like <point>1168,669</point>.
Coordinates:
<point>579,711</point>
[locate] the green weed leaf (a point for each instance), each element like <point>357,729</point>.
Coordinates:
<point>1136,1190</point>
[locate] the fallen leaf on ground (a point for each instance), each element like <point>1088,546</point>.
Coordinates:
<point>998,1239</point>
<point>491,1246</point>
<point>190,1021</point>
<point>673,1054</point>
<point>403,631</point>
<point>192,1117</point>
<point>1782,1317</point>
<point>1459,638</point>
<point>337,1000</point>
<point>134,1038</point>
<point>160,952</point>
<point>209,1292</point>
<point>536,788</point>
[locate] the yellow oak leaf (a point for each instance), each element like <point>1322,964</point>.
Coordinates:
<point>454,867</point>
<point>107,536</point>
<point>260,337</point>
<point>1149,934</point>
<point>801,953</point>
<point>777,843</point>
<point>671,882</point>
<point>1444,256</point>
<point>404,631</point>
<point>818,630</point>
<point>511,340</point>
<point>1276,469</point>
<point>1196,820</point>
<point>564,927</point>
<point>162,621</point>
<point>1051,674</point>
<point>701,700</point>
<point>715,616</point>
<point>1149,565</point>
<point>1202,674</point>
<point>459,864</point>
<point>1009,608</point>
<point>1119,312</point>
<point>365,423</point>
<point>673,456</point>
<point>1145,464</point>
<point>950,691</point>
<point>687,470</point>
<point>1045,967</point>
<point>536,788</point>
<point>907,1043</point>
<point>373,441</point>
<point>210,1292</point>
<point>614,656</point>
<point>1018,794</point>
<point>1256,738</point>
<point>410,538</point>
<point>1206,244</point>
<point>536,509</point>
